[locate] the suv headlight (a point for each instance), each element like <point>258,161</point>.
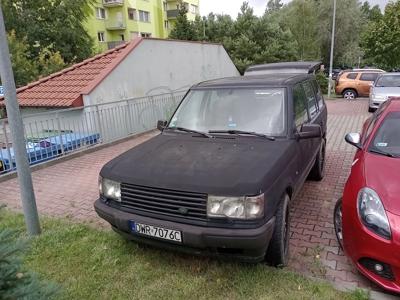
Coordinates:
<point>110,189</point>
<point>235,207</point>
<point>372,213</point>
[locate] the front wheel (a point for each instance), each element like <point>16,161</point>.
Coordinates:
<point>278,249</point>
<point>338,223</point>
<point>318,171</point>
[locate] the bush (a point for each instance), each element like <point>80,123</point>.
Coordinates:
<point>322,81</point>
<point>15,282</point>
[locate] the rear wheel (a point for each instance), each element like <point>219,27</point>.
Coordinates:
<point>337,221</point>
<point>278,249</point>
<point>318,171</point>
<point>349,94</point>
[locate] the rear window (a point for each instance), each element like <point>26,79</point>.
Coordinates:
<point>352,75</point>
<point>369,76</point>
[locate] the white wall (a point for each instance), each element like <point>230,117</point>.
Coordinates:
<point>158,66</point>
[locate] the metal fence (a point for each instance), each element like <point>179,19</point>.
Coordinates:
<point>59,132</point>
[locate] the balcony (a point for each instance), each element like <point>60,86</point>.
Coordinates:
<point>114,44</point>
<point>111,3</point>
<point>172,13</point>
<point>115,25</point>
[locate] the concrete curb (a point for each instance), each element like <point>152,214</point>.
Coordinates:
<point>72,155</point>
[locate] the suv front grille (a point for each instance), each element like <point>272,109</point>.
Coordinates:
<point>150,200</point>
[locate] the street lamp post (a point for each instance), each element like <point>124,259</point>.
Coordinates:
<point>332,47</point>
<point>17,133</point>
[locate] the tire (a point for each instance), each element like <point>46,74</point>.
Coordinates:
<point>349,94</point>
<point>317,173</point>
<point>337,222</point>
<point>278,249</point>
<point>371,110</point>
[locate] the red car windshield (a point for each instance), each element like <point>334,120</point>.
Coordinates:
<point>387,138</point>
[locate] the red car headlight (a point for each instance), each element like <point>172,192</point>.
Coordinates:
<point>372,213</point>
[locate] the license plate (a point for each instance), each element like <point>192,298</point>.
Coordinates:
<point>156,232</point>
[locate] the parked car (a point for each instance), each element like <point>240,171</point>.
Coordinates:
<point>222,174</point>
<point>356,83</point>
<point>367,219</point>
<point>299,67</point>
<point>386,85</point>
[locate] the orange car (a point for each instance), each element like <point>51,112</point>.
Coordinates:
<point>356,83</point>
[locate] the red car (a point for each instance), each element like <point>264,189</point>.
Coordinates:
<point>367,218</point>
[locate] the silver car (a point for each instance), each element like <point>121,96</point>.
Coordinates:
<point>385,86</point>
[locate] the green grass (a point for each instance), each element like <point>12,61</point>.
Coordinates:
<point>97,264</point>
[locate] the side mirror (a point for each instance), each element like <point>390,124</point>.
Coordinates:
<point>310,131</point>
<point>161,124</point>
<point>353,139</point>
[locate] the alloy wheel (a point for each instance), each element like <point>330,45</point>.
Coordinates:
<point>338,223</point>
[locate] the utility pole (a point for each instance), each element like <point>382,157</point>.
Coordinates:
<point>332,47</point>
<point>17,134</point>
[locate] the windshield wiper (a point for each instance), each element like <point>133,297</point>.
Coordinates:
<point>238,132</point>
<point>383,153</point>
<point>190,131</point>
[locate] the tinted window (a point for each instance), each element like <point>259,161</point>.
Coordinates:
<point>318,92</point>
<point>352,75</point>
<point>300,106</point>
<point>310,96</point>
<point>368,76</point>
<point>260,110</point>
<point>387,139</point>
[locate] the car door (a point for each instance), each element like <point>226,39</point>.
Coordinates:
<point>301,117</point>
<point>364,83</point>
<point>323,111</point>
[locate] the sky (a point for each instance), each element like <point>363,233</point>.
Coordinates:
<point>232,7</point>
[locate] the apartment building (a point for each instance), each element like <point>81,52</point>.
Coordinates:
<point>116,21</point>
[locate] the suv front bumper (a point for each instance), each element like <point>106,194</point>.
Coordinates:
<point>244,244</point>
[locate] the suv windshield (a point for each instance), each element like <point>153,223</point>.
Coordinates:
<point>260,110</point>
<point>387,139</point>
<point>388,81</point>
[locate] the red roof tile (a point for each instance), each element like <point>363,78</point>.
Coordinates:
<point>65,88</point>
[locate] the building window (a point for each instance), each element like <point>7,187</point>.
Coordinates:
<point>145,34</point>
<point>194,9</point>
<point>166,24</point>
<point>132,14</point>
<point>100,13</point>
<point>144,16</point>
<point>100,36</point>
<point>165,5</point>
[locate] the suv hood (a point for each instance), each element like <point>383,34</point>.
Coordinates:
<point>218,166</point>
<point>386,91</point>
<point>383,175</point>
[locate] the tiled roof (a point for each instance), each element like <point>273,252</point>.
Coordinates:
<point>65,88</point>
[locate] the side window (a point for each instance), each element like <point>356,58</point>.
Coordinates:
<point>311,100</point>
<point>300,106</point>
<point>352,75</point>
<point>368,76</point>
<point>318,92</point>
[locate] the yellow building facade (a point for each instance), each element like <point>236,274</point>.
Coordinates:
<point>116,21</point>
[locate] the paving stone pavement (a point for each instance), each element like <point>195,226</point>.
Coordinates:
<point>69,188</point>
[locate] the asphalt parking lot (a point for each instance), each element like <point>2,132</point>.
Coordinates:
<point>69,188</point>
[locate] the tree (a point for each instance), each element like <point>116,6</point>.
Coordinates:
<point>183,28</point>
<point>51,24</point>
<point>15,282</point>
<point>371,14</point>
<point>274,5</point>
<point>49,62</point>
<point>381,41</point>
<point>25,70</point>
